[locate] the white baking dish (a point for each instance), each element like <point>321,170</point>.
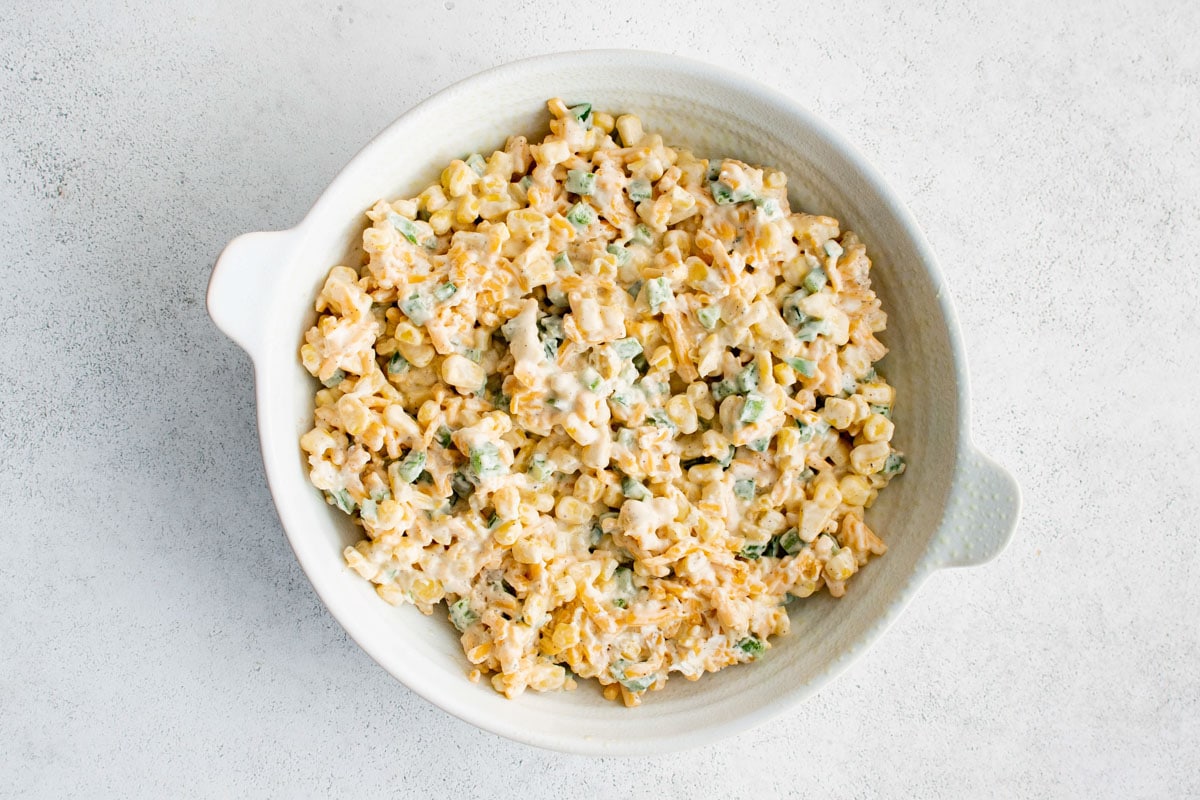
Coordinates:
<point>953,507</point>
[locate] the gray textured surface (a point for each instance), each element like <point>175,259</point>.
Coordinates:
<point>156,635</point>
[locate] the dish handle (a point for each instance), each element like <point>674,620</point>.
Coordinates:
<point>985,503</point>
<point>241,279</point>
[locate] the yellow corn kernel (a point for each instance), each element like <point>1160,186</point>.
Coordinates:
<point>825,491</point>
<point>878,394</point>
<point>463,374</point>
<point>573,510</point>
<point>441,220</point>
<point>841,565</point>
<point>877,428</point>
<point>661,358</point>
<point>855,490</point>
<point>629,128</point>
<point>357,562</point>
<point>353,414</point>
<point>784,375</point>
<point>507,533</point>
<point>310,358</point>
<point>392,594</point>
<point>705,473</point>
<point>427,590</point>
<point>432,199</point>
<point>867,459</point>
<point>506,501</point>
<point>528,551</point>
<point>407,333</point>
<point>838,412</point>
<point>588,489</point>
<point>773,179</point>
<point>428,412</point>
<point>551,151</point>
<point>527,224</point>
<point>681,411</point>
<point>419,355</point>
<point>543,502</point>
<point>467,209</point>
<point>709,528</point>
<point>565,636</point>
<point>458,178</point>
<point>538,270</point>
<point>479,653</point>
<point>714,444</point>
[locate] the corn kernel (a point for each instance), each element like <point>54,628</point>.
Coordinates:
<point>877,428</point>
<point>867,459</point>
<point>572,510</point>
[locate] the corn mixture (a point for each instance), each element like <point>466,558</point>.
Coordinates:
<point>612,403</point>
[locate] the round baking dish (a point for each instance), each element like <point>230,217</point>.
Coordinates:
<point>953,507</point>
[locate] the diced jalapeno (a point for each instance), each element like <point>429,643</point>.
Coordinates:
<point>397,364</point>
<point>751,648</point>
<point>590,378</point>
<point>369,510</point>
<point>747,379</point>
<point>461,485</point>
<point>642,234</point>
<point>333,380</point>
<point>563,261</point>
<point>743,488</point>
<point>708,316</point>
<point>407,227</point>
<point>411,466</point>
<point>768,205</point>
<point>633,488</point>
<point>803,366</point>
<point>727,459</point>
<point>443,436</point>
<point>461,614</point>
<point>753,551</point>
<point>658,417</point>
<point>476,162</point>
<point>342,499</point>
<point>724,195</point>
<point>582,112</point>
<point>627,348</point>
<point>639,190</point>
<point>416,308</point>
<point>658,291</point>
<point>884,410</point>
<point>617,670</point>
<point>581,215</point>
<point>833,249</point>
<point>815,281</point>
<point>485,461</point>
<point>722,389</point>
<point>580,182</point>
<point>625,590</point>
<point>539,467</point>
<point>755,405</point>
<point>790,309</point>
<point>790,541</point>
<point>760,445</point>
<point>444,292</point>
<point>894,465</point>
<point>620,252</point>
<point>811,329</point>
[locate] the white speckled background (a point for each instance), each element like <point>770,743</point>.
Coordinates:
<point>156,635</point>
